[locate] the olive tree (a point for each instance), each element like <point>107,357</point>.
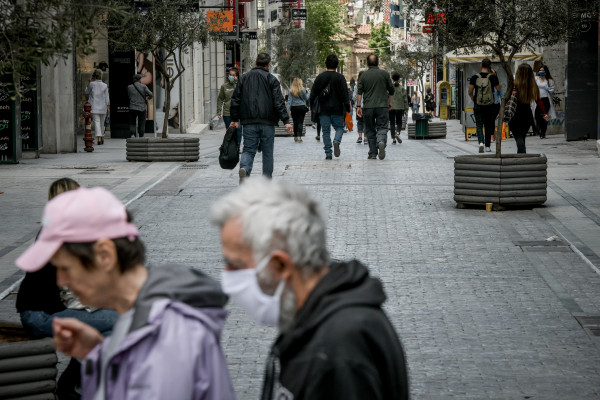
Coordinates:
<point>164,28</point>
<point>503,28</point>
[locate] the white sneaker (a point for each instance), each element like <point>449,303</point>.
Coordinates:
<point>488,149</point>
<point>481,147</point>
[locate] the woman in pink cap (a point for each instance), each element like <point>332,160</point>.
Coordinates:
<point>166,341</point>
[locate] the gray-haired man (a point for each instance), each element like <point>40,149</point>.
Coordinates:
<point>335,341</point>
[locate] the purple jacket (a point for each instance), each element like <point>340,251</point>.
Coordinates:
<point>172,350</point>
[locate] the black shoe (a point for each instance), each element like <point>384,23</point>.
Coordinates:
<point>394,142</point>
<point>542,136</point>
<point>336,149</point>
<point>381,147</point>
<point>398,138</point>
<point>372,158</point>
<point>318,137</point>
<point>359,140</point>
<point>328,157</point>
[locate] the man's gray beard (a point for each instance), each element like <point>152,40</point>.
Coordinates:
<point>287,303</point>
<point>287,310</point>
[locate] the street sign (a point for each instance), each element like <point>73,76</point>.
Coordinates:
<point>299,14</point>
<point>249,35</point>
<point>427,29</point>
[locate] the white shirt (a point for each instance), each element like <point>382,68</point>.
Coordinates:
<point>545,86</point>
<point>97,92</point>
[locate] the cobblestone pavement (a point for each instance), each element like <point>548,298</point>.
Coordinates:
<point>486,308</point>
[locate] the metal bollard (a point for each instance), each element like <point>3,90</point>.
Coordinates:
<point>88,138</point>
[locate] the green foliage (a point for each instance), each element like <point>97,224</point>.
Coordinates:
<point>164,28</point>
<point>296,55</point>
<point>38,31</point>
<point>504,28</point>
<point>379,40</point>
<point>324,21</point>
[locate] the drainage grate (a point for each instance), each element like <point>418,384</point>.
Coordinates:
<point>555,246</point>
<point>91,172</point>
<point>194,166</point>
<point>590,324</point>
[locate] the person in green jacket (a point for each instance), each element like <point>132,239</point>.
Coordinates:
<point>399,107</point>
<point>224,101</point>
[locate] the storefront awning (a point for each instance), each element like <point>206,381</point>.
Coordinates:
<point>453,57</point>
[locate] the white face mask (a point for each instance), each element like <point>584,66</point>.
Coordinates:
<point>242,285</point>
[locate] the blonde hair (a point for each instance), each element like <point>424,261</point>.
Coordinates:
<point>97,75</point>
<point>297,87</point>
<point>527,88</point>
<point>60,186</point>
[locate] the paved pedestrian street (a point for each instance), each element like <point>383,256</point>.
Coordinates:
<point>486,307</point>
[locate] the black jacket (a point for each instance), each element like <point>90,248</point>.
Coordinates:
<point>257,99</point>
<point>338,102</point>
<point>341,344</point>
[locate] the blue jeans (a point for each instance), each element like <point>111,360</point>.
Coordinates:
<point>338,124</point>
<point>227,121</point>
<point>39,323</point>
<point>253,135</point>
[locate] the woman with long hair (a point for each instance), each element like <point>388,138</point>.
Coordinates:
<point>545,85</point>
<point>297,101</point>
<point>527,95</point>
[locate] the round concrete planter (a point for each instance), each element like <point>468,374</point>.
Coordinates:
<point>157,149</point>
<point>435,130</point>
<point>511,180</point>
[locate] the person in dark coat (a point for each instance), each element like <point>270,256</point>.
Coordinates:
<point>335,341</point>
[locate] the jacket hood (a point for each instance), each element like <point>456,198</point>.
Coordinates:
<point>184,285</point>
<point>346,284</point>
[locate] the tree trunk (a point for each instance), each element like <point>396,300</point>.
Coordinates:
<point>167,106</point>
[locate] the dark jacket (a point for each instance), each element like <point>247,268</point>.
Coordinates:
<point>257,99</point>
<point>38,292</point>
<point>341,344</point>
<point>338,102</point>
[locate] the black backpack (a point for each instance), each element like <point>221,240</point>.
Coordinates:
<point>229,155</point>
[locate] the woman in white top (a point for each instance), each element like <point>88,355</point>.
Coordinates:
<point>546,86</point>
<point>97,92</point>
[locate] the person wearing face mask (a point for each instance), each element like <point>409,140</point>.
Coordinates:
<point>545,85</point>
<point>224,101</point>
<point>335,341</point>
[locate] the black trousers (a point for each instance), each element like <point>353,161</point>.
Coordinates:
<point>298,113</point>
<point>141,122</point>
<point>542,124</point>
<point>396,118</point>
<point>488,118</point>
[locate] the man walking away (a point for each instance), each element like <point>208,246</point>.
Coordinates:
<point>376,90</point>
<point>481,91</point>
<point>331,90</point>
<point>138,99</point>
<point>257,103</point>
<point>335,341</point>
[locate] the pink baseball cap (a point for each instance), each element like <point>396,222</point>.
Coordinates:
<point>77,216</point>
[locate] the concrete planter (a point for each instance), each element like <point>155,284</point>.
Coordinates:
<point>435,130</point>
<point>511,180</point>
<point>156,149</point>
